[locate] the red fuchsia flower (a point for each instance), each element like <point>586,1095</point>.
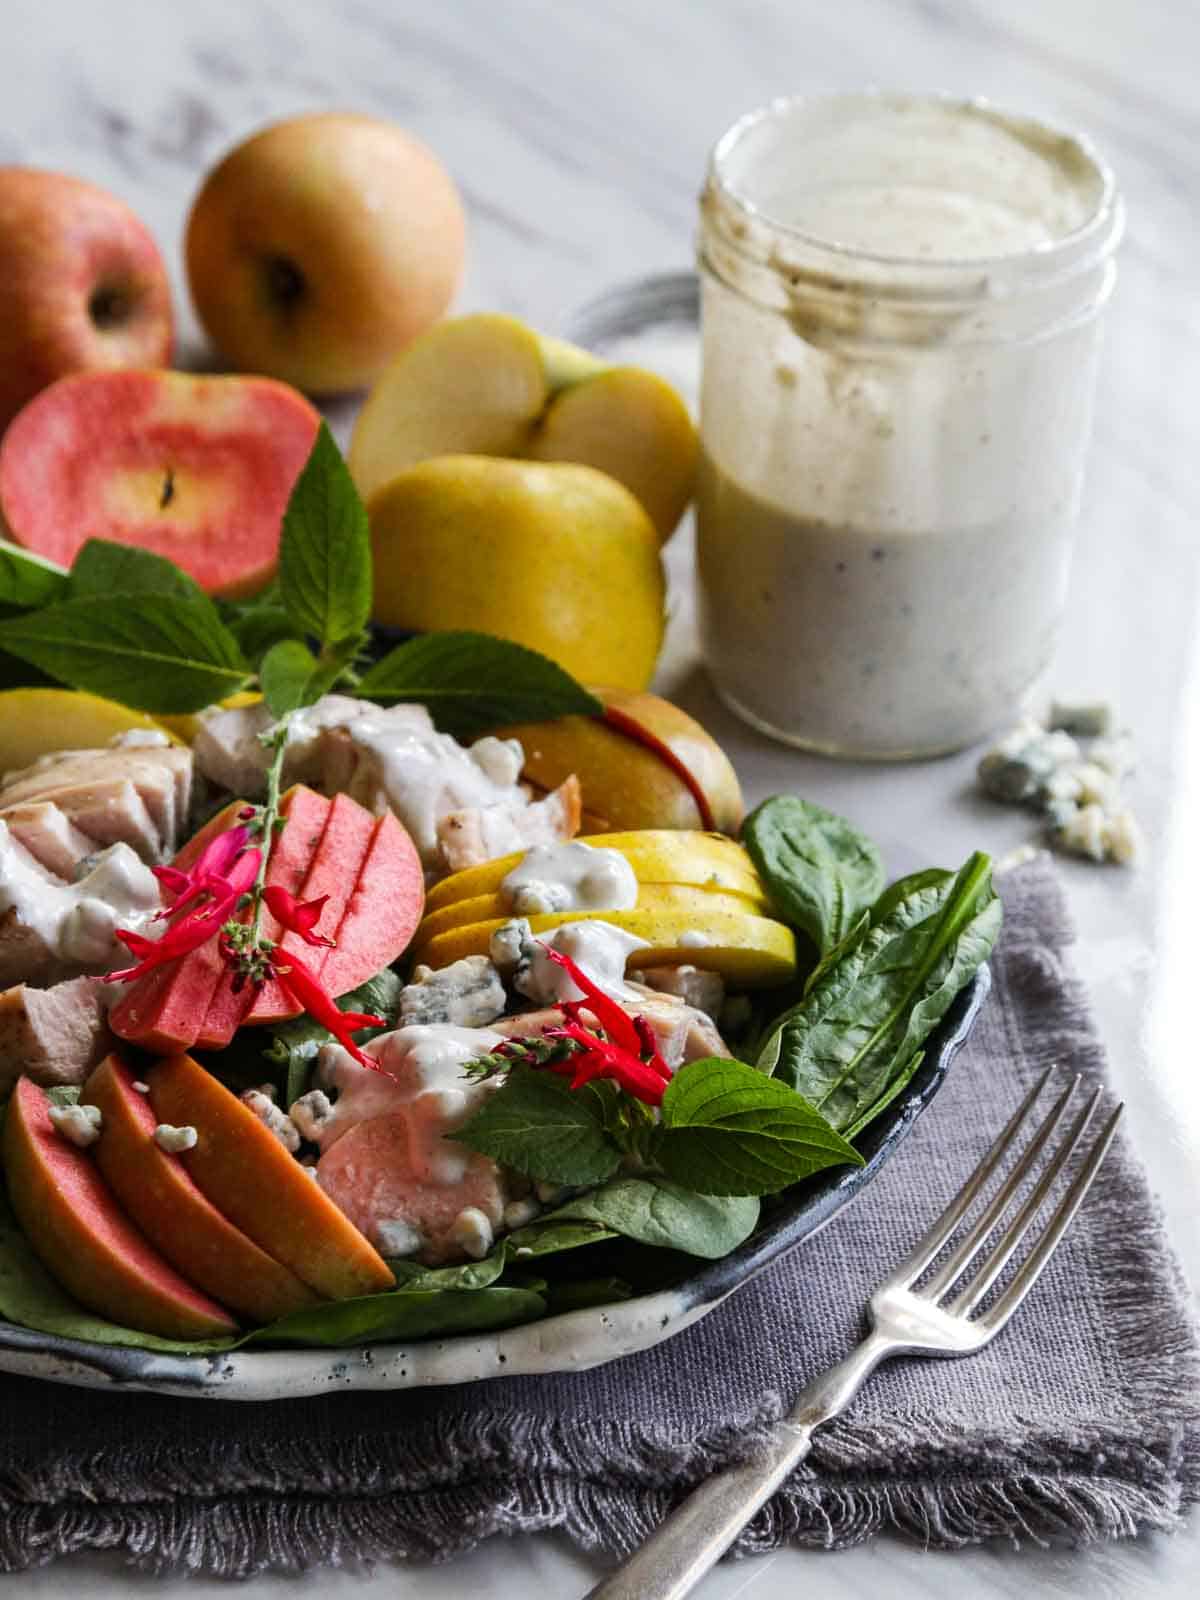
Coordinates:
<point>195,928</point>
<point>625,1051</point>
<point>297,916</point>
<point>207,875</point>
<point>305,989</point>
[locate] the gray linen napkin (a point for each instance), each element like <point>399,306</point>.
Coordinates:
<point>1083,1420</point>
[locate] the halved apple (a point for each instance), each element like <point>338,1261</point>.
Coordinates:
<point>749,952</point>
<point>490,385</point>
<point>702,860</point>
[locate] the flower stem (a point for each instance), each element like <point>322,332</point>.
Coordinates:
<point>270,823</point>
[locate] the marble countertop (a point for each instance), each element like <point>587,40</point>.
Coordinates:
<point>578,134</point>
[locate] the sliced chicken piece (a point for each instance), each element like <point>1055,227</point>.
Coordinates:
<point>54,1035</point>
<point>476,834</point>
<point>229,751</point>
<point>703,990</point>
<point>27,931</point>
<point>49,836</point>
<point>111,812</point>
<point>162,776</point>
<point>681,1032</point>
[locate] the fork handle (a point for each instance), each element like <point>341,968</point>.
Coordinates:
<point>697,1534</point>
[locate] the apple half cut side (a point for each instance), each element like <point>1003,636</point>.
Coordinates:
<point>196,469</point>
<point>488,385</point>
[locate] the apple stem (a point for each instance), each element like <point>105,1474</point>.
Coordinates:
<point>168,490</point>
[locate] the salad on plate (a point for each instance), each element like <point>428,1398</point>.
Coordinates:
<point>335,1007</point>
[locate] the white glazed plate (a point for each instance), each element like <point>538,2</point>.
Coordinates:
<point>569,1341</point>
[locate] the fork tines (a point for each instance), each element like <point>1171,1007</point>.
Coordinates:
<point>1052,1157</point>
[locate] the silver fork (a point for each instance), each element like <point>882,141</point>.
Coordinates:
<point>905,1319</point>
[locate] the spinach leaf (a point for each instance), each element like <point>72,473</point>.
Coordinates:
<point>173,656</point>
<point>27,580</point>
<point>859,1028</point>
<point>728,1130</point>
<point>655,1211</point>
<point>403,1314</point>
<point>472,682</point>
<point>103,568</point>
<point>325,550</point>
<point>819,870</point>
<point>538,1125</point>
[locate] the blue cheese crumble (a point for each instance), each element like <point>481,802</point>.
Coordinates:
<point>79,1125</point>
<point>175,1140</point>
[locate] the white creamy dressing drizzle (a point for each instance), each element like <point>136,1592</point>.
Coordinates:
<point>570,877</point>
<point>77,921</point>
<point>422,1077</point>
<point>597,947</point>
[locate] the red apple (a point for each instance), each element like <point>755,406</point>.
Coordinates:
<point>82,285</point>
<point>195,469</point>
<point>321,246</point>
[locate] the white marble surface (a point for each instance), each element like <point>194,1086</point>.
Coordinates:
<point>578,132</point>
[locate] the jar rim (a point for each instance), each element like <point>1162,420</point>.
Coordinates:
<point>1102,228</point>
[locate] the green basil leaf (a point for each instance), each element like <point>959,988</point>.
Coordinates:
<point>539,1126</point>
<point>325,549</point>
<point>726,1129</point>
<point>103,568</point>
<point>819,870</point>
<point>656,1211</point>
<point>472,682</point>
<point>171,655</point>
<point>861,1025</point>
<point>27,580</point>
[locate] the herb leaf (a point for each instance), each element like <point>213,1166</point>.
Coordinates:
<point>655,1211</point>
<point>819,870</point>
<point>728,1130</point>
<point>28,580</point>
<point>473,681</point>
<point>860,1027</point>
<point>539,1126</point>
<point>103,568</point>
<point>174,656</point>
<point>325,549</point>
<point>291,676</point>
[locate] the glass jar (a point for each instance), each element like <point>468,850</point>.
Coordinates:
<point>900,303</point>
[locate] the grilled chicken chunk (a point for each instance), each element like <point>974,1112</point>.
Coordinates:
<point>50,837</point>
<point>55,1035</point>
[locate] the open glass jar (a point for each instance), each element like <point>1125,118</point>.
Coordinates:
<point>900,303</point>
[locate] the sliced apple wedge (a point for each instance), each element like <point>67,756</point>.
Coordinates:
<point>749,952</point>
<point>666,897</point>
<point>657,855</point>
<point>490,385</point>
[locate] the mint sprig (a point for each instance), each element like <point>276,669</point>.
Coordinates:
<point>537,1125</point>
<point>325,550</point>
<point>104,568</point>
<point>28,580</point>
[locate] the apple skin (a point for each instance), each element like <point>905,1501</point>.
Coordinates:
<point>82,285</point>
<point>645,764</point>
<point>321,246</point>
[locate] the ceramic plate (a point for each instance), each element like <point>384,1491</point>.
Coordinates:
<point>569,1341</point>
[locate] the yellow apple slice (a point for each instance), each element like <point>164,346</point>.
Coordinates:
<point>631,424</point>
<point>471,386</point>
<point>702,860</point>
<point>749,952</point>
<point>651,897</point>
<point>38,722</point>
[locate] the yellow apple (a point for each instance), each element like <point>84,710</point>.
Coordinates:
<point>749,951</point>
<point>701,860</point>
<point>321,246</point>
<point>489,385</point>
<point>38,722</point>
<point>557,557</point>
